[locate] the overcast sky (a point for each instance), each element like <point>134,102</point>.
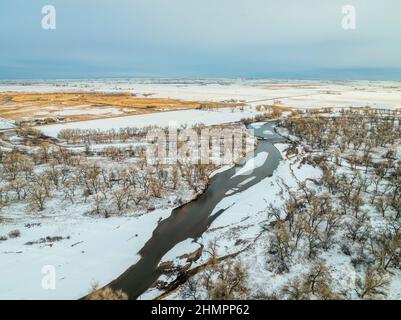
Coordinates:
<point>200,38</point>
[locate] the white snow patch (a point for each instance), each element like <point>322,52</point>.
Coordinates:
<point>252,164</point>
<point>99,250</point>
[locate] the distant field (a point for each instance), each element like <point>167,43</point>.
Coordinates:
<point>77,106</point>
<point>47,102</point>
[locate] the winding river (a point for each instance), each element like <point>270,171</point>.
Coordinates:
<point>191,220</point>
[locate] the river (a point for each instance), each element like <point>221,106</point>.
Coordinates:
<point>191,220</point>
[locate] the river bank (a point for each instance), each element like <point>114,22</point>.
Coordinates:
<point>73,242</point>
<point>240,228</point>
<point>193,219</point>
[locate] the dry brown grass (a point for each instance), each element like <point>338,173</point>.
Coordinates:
<point>14,234</point>
<point>19,105</point>
<point>106,294</point>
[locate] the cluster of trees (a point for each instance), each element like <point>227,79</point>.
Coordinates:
<point>97,136</point>
<point>106,294</point>
<point>306,223</point>
<point>355,205</point>
<point>197,144</point>
<point>113,178</point>
<point>354,208</point>
<point>311,222</point>
<point>317,283</point>
<point>272,112</point>
<point>57,173</point>
<point>218,279</point>
<point>351,130</point>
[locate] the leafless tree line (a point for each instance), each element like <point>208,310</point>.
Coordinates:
<point>56,172</point>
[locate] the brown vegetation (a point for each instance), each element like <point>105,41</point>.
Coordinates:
<point>106,294</point>
<point>17,106</point>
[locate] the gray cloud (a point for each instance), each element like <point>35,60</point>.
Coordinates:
<point>241,37</point>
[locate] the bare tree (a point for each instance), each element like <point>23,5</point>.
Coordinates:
<point>373,285</point>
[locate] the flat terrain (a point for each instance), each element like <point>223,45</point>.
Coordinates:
<point>80,100</point>
<point>78,106</point>
<point>294,93</point>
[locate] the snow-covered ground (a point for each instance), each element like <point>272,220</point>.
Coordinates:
<point>252,164</point>
<point>6,124</point>
<point>290,92</point>
<point>93,251</point>
<point>98,250</point>
<point>243,221</point>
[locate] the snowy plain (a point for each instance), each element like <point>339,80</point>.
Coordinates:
<point>294,93</point>
<point>99,250</point>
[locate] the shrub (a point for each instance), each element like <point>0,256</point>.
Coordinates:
<point>106,294</point>
<point>14,234</point>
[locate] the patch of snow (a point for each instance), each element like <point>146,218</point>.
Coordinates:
<point>98,251</point>
<point>6,124</point>
<point>252,164</point>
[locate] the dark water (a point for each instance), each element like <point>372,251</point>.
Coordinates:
<point>193,219</point>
